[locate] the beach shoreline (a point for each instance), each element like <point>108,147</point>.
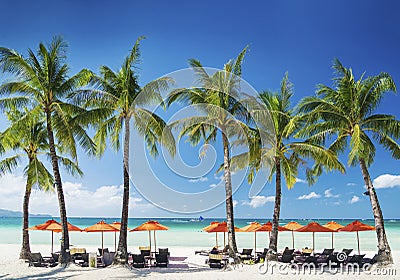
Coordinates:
<point>189,266</point>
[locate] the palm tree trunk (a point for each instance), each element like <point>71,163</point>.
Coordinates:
<point>229,199</point>
<point>122,255</point>
<point>26,249</point>
<point>65,256</point>
<point>384,252</point>
<point>273,241</point>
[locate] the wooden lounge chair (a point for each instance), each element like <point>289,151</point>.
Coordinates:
<point>38,261</point>
<point>301,260</point>
<point>161,260</point>
<point>138,261</point>
<point>215,260</point>
<point>355,259</point>
<point>286,258</point>
<point>369,260</point>
<point>246,254</point>
<point>325,252</point>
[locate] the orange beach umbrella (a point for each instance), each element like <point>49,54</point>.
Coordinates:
<point>149,226</point>
<point>210,226</point>
<point>357,226</point>
<point>222,227</point>
<point>53,226</point>
<point>314,227</point>
<point>101,226</point>
<point>292,226</point>
<point>252,227</point>
<point>333,226</point>
<point>117,225</point>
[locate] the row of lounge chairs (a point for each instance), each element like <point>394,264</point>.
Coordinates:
<point>145,258</point>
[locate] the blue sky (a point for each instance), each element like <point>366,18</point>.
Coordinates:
<point>292,36</point>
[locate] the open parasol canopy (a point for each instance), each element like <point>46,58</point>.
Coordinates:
<point>357,226</point>
<point>221,227</point>
<point>252,227</point>
<point>210,226</point>
<point>314,227</point>
<point>333,226</point>
<point>53,226</point>
<point>149,226</point>
<point>101,226</point>
<point>292,226</point>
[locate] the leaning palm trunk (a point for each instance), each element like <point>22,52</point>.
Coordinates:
<point>65,256</point>
<point>273,241</point>
<point>26,248</point>
<point>229,200</point>
<point>122,243</point>
<point>384,252</point>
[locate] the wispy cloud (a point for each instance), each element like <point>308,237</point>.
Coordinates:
<point>259,201</point>
<point>200,179</point>
<point>328,194</point>
<point>311,195</point>
<point>351,184</point>
<point>386,181</point>
<point>354,199</point>
<point>235,203</point>
<point>298,180</point>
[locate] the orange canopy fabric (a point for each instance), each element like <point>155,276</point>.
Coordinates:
<point>222,227</point>
<point>357,226</point>
<point>210,226</point>
<point>100,227</point>
<point>53,226</point>
<point>250,227</point>
<point>292,226</point>
<point>314,227</point>
<point>117,225</point>
<point>268,227</point>
<point>150,225</point>
<point>333,226</point>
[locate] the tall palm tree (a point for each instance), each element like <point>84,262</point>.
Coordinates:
<point>219,98</point>
<point>42,84</point>
<point>29,140</point>
<point>348,111</point>
<point>118,99</point>
<point>288,155</point>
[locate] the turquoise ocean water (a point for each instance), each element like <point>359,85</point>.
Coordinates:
<point>187,233</point>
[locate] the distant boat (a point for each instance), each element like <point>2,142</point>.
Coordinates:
<point>199,219</point>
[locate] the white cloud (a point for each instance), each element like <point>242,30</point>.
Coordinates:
<point>201,179</point>
<point>351,184</point>
<point>298,180</point>
<point>354,199</point>
<point>235,203</point>
<point>103,201</point>
<point>328,193</point>
<point>386,181</point>
<point>259,201</point>
<point>311,195</point>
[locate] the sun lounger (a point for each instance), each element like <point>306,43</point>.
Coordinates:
<point>163,251</point>
<point>108,258</point>
<point>325,252</point>
<point>355,259</point>
<point>347,251</point>
<point>286,258</point>
<point>161,260</point>
<point>301,260</point>
<point>246,254</point>
<point>215,260</point>
<point>38,261</point>
<point>369,260</point>
<point>138,261</point>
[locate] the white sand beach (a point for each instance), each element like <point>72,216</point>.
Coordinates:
<point>184,265</point>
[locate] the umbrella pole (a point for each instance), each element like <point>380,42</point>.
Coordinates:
<point>358,243</point>
<point>313,240</point>
<point>155,244</point>
<point>216,239</point>
<point>150,239</point>
<point>102,243</point>
<point>115,241</point>
<point>52,241</point>
<point>332,240</point>
<point>292,239</point>
<point>224,240</point>
<point>255,243</point>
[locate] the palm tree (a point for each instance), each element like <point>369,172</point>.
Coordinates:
<point>42,84</point>
<point>219,98</point>
<point>118,99</point>
<point>348,111</point>
<point>290,154</point>
<point>29,140</point>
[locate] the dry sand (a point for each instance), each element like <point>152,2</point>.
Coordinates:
<point>184,265</point>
